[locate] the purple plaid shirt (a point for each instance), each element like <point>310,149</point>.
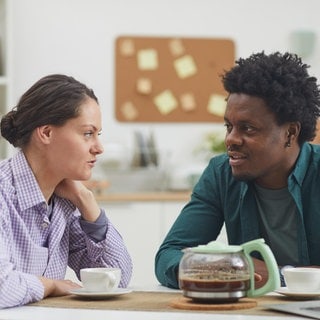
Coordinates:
<point>32,245</point>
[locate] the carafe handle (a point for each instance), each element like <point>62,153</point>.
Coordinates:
<point>273,282</point>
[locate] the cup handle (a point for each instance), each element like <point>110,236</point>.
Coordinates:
<point>112,279</point>
<point>272,267</point>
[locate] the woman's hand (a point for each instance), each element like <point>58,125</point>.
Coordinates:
<point>55,288</point>
<point>81,197</point>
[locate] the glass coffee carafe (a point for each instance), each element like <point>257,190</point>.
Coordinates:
<point>221,272</point>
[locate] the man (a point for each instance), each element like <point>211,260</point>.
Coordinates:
<point>267,185</point>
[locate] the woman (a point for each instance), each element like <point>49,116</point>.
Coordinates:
<point>48,219</point>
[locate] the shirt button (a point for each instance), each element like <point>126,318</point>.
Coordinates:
<point>45,225</point>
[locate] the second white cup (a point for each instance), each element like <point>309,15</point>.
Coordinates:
<point>302,279</point>
<point>100,279</point>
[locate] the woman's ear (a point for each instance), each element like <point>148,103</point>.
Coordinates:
<point>44,133</point>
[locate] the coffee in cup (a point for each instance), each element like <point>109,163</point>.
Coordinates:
<point>100,279</point>
<point>302,279</point>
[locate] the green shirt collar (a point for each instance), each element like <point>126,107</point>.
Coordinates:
<point>302,164</point>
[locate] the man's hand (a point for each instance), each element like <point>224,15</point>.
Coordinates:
<point>261,272</point>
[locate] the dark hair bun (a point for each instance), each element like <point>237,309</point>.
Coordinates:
<point>8,129</point>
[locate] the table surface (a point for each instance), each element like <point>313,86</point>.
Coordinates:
<point>37,312</point>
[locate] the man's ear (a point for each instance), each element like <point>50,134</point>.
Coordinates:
<point>44,133</point>
<point>294,131</point>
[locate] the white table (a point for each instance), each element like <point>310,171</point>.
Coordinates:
<point>41,313</point>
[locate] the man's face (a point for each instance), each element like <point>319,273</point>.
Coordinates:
<point>255,142</point>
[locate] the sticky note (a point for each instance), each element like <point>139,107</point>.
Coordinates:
<point>129,111</point>
<point>176,47</point>
<point>188,102</point>
<point>127,47</point>
<point>165,102</point>
<point>144,85</point>
<point>147,59</point>
<point>185,66</point>
<point>217,105</point>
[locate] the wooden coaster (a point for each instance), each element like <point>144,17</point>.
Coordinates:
<point>189,304</point>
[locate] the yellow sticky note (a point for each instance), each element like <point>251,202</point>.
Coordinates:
<point>185,66</point>
<point>176,47</point>
<point>129,111</point>
<point>217,105</point>
<point>147,59</point>
<point>188,102</point>
<point>127,48</point>
<point>165,102</point>
<point>144,85</point>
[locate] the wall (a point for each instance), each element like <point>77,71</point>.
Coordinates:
<point>77,36</point>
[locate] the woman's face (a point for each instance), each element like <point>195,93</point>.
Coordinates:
<point>255,142</point>
<point>74,147</point>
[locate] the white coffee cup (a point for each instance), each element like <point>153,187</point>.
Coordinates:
<point>100,279</point>
<point>302,279</point>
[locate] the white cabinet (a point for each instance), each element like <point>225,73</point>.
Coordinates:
<point>5,56</point>
<point>143,226</point>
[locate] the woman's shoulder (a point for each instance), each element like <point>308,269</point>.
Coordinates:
<point>6,176</point>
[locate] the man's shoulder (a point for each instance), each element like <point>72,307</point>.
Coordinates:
<point>308,164</point>
<point>315,148</point>
<point>310,153</point>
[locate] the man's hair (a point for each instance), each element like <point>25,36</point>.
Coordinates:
<point>283,82</point>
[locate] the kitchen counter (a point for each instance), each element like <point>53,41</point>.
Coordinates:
<point>143,196</point>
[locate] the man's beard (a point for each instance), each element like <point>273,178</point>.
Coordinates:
<point>244,177</point>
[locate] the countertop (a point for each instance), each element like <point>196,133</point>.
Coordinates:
<point>143,196</point>
<point>104,193</point>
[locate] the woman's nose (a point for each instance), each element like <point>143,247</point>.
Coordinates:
<point>98,147</point>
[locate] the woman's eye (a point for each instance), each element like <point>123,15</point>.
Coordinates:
<point>88,134</point>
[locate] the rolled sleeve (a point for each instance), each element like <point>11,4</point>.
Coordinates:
<point>96,230</point>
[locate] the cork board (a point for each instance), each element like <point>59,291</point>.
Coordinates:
<point>161,79</point>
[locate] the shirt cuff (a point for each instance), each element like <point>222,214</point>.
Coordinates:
<point>96,230</point>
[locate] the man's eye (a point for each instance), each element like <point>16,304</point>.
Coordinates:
<point>228,127</point>
<point>247,128</point>
<point>88,134</point>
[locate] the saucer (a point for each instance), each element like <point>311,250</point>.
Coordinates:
<point>100,295</point>
<point>296,294</point>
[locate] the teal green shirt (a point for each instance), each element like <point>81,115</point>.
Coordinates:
<point>218,198</point>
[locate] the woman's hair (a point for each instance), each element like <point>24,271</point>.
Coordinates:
<point>53,99</point>
<point>283,82</point>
